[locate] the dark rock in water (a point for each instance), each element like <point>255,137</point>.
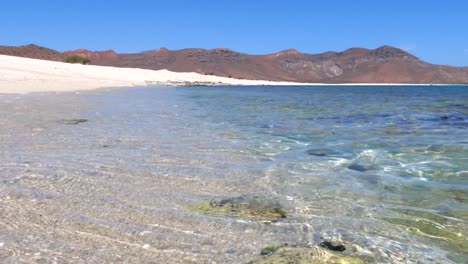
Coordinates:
<point>74,121</point>
<point>454,117</point>
<point>324,153</point>
<point>254,208</point>
<point>362,167</point>
<point>459,120</point>
<point>219,203</point>
<point>332,246</point>
<point>268,250</point>
<point>304,254</point>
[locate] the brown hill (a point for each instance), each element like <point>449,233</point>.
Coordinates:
<point>94,56</point>
<point>32,51</point>
<point>356,65</point>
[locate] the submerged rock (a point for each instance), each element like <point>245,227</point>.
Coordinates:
<point>322,152</point>
<point>74,121</point>
<point>254,208</point>
<point>332,246</point>
<point>362,167</point>
<point>269,250</point>
<point>299,255</point>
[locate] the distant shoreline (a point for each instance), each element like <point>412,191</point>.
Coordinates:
<point>23,75</point>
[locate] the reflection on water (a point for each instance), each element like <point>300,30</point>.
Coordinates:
<point>120,175</point>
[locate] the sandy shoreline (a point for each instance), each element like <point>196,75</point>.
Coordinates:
<point>24,75</point>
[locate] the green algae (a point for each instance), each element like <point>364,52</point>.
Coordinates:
<point>421,195</point>
<point>457,213</point>
<point>452,237</point>
<point>253,208</point>
<point>435,226</point>
<point>304,255</point>
<point>268,250</point>
<point>423,227</point>
<point>423,214</point>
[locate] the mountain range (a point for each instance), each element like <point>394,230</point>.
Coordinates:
<point>385,64</point>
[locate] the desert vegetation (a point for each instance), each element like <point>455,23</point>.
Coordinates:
<point>77,59</point>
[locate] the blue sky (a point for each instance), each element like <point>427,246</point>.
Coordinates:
<point>436,31</point>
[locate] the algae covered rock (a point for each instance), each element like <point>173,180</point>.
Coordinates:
<point>332,246</point>
<point>269,250</point>
<point>254,208</point>
<point>303,255</point>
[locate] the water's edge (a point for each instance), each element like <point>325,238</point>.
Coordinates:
<point>216,174</point>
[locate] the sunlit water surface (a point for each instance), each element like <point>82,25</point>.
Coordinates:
<point>383,170</point>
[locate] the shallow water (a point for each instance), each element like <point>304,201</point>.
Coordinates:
<point>381,170</point>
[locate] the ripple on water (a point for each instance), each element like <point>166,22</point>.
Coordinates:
<point>385,178</point>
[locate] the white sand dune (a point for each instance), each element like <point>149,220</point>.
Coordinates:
<point>24,75</point>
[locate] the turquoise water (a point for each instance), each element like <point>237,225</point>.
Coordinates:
<point>381,170</point>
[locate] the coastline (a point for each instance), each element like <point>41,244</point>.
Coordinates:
<point>24,75</point>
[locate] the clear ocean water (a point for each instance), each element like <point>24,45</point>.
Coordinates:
<point>382,170</point>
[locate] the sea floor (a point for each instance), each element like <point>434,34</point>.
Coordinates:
<point>235,175</point>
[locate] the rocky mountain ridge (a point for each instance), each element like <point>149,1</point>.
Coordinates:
<point>385,64</point>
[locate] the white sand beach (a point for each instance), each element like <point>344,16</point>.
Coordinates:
<point>24,75</point>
